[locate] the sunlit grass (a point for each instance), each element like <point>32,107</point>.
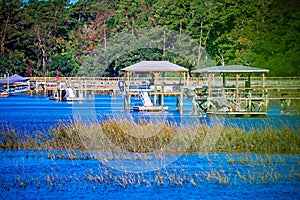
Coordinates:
<point>255,157</point>
<point>123,135</point>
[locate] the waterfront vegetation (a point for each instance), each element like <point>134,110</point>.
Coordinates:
<point>147,137</point>
<point>100,155</point>
<point>213,168</point>
<point>257,33</point>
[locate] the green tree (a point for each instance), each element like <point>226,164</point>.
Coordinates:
<point>47,22</point>
<point>271,38</point>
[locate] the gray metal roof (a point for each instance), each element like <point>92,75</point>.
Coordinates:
<point>155,66</point>
<point>230,69</point>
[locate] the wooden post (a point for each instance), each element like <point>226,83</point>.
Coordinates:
<point>209,85</point>
<point>250,102</point>
<point>93,95</point>
<point>45,88</point>
<point>80,89</point>
<point>266,100</point>
<point>155,87</point>
<point>237,84</point>
<point>224,80</point>
<point>60,92</point>
<point>181,102</point>
<point>162,97</point>
<point>29,88</point>
<point>128,102</point>
<point>114,94</point>
<point>124,98</point>
<point>249,80</point>
<point>8,83</point>
<point>263,84</point>
<point>197,80</point>
<point>127,96</point>
<point>36,89</point>
<point>85,88</point>
<point>282,107</point>
<point>187,79</point>
<point>180,80</point>
<point>263,80</point>
<point>288,112</point>
<point>195,106</point>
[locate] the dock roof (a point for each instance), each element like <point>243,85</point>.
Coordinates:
<point>230,69</point>
<point>155,66</point>
<point>13,79</point>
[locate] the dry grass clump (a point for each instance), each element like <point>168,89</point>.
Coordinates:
<point>142,137</point>
<point>259,141</point>
<point>124,135</point>
<point>12,140</point>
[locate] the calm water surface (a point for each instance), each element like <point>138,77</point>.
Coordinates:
<point>35,175</point>
<point>25,113</point>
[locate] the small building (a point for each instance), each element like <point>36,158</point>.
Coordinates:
<point>146,80</point>
<point>238,98</point>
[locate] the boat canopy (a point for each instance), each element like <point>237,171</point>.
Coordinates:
<point>230,69</point>
<point>13,79</point>
<point>155,66</point>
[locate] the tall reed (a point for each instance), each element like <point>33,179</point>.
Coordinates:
<point>145,137</point>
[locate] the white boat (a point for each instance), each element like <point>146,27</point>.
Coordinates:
<point>4,94</point>
<point>21,88</point>
<point>7,92</point>
<point>70,96</point>
<point>54,97</point>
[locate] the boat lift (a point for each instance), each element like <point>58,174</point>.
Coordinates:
<point>155,89</point>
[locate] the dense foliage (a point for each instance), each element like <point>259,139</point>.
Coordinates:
<point>40,37</point>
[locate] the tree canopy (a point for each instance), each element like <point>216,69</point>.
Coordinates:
<point>100,37</point>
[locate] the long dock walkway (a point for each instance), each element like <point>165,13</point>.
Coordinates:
<point>281,90</point>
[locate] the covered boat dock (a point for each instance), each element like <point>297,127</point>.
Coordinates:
<point>230,99</point>
<point>13,84</point>
<point>146,80</point>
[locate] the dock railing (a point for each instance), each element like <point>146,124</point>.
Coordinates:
<point>99,83</point>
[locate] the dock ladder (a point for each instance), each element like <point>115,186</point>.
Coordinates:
<point>145,99</point>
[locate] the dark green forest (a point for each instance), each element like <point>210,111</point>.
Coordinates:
<point>100,37</point>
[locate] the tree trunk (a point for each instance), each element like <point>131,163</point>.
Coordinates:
<point>200,45</point>
<point>104,35</point>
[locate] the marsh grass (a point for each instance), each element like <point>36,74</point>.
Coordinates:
<point>233,169</point>
<point>123,135</point>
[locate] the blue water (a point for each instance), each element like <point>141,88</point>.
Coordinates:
<point>36,175</point>
<point>30,114</point>
<point>32,175</point>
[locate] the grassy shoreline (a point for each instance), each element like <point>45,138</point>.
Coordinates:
<point>122,135</point>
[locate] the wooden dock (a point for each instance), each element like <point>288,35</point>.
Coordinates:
<point>150,109</point>
<point>241,96</point>
<point>256,99</point>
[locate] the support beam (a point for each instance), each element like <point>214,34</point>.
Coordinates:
<point>288,104</point>
<point>197,80</point>
<point>181,102</point>
<point>209,84</point>
<point>224,80</point>
<point>263,84</point>
<point>156,74</point>
<point>282,107</point>
<point>237,84</point>
<point>162,97</point>
<point>249,80</point>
